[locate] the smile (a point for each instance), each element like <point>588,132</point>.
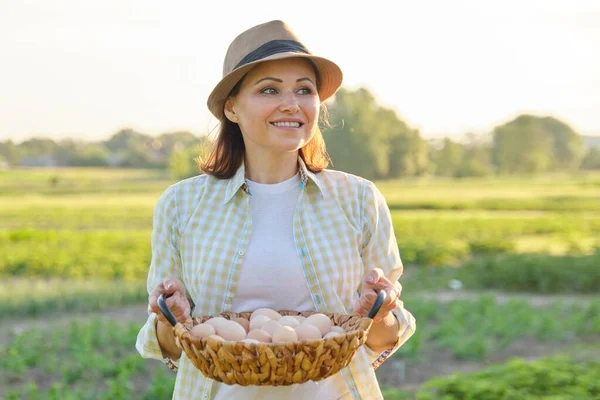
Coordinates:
<point>287,124</point>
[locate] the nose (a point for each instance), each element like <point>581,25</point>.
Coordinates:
<point>289,104</point>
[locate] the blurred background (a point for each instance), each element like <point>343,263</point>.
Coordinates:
<point>479,121</point>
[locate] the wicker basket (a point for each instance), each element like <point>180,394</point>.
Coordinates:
<point>271,364</point>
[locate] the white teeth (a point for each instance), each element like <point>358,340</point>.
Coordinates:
<point>288,124</point>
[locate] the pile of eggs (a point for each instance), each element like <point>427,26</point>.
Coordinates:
<point>268,326</point>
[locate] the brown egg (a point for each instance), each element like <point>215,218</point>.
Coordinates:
<point>231,331</point>
<point>332,334</point>
<point>308,332</point>
<point>258,322</point>
<point>289,321</point>
<point>321,321</point>
<point>260,335</point>
<point>202,330</point>
<point>243,322</point>
<point>285,334</point>
<point>272,314</point>
<point>338,329</point>
<point>271,326</point>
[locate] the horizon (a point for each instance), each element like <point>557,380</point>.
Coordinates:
<point>137,65</point>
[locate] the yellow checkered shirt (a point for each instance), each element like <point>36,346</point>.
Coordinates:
<point>342,230</point>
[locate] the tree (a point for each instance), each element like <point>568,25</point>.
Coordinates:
<point>568,151</point>
<point>476,156</point>
<point>134,149</point>
<point>370,140</point>
<point>592,159</point>
<point>522,146</point>
<point>530,144</point>
<point>182,162</point>
<point>10,152</point>
<point>449,158</point>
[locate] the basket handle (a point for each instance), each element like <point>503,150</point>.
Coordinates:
<point>381,295</point>
<point>165,310</point>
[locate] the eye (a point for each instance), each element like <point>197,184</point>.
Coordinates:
<point>269,90</point>
<point>304,90</point>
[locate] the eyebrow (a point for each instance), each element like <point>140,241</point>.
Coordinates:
<point>280,81</point>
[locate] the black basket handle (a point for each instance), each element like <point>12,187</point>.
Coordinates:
<point>165,310</point>
<point>381,295</point>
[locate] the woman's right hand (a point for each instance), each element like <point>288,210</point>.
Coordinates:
<point>177,302</point>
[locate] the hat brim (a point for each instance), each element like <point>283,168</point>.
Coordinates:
<point>330,79</point>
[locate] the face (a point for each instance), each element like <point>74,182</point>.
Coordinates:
<point>277,107</point>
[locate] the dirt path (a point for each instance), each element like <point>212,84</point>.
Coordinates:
<point>395,372</point>
<point>503,297</point>
<point>15,326</point>
<point>137,312</point>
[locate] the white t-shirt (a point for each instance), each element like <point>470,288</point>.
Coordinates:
<point>272,276</point>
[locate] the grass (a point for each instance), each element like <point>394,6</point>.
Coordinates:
<point>96,359</point>
<point>78,239</point>
<point>92,360</point>
<point>554,378</point>
<point>475,329</point>
<point>26,297</point>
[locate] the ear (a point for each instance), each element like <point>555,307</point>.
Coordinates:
<point>229,111</point>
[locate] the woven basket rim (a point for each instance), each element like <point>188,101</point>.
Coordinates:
<point>193,346</point>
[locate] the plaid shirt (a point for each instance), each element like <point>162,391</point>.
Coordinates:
<point>342,230</point>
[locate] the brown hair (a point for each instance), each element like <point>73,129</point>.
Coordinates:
<point>227,153</point>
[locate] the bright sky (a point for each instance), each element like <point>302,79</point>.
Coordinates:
<point>86,69</point>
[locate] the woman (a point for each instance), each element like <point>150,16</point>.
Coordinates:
<point>268,226</point>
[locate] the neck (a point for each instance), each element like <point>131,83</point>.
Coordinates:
<point>272,169</point>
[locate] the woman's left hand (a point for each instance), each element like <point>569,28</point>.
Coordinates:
<point>372,283</point>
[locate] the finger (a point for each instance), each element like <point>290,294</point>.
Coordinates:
<point>392,295</point>
<point>374,276</point>
<point>398,286</point>
<point>179,306</point>
<point>169,285</point>
<point>362,308</point>
<point>367,300</point>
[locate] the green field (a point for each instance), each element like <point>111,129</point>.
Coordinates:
<point>78,241</point>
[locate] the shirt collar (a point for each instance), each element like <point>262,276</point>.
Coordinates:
<point>238,181</point>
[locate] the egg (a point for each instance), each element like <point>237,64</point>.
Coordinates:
<point>250,341</point>
<point>216,337</point>
<point>243,322</point>
<point>258,322</point>
<point>307,332</point>
<point>300,318</point>
<point>231,331</point>
<point>270,327</point>
<point>338,329</point>
<point>216,322</point>
<point>285,334</point>
<point>202,330</point>
<point>272,314</point>
<point>321,321</point>
<point>288,321</point>
<point>260,335</point>
<point>332,334</point>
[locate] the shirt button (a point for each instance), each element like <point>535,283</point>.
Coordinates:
<point>241,252</point>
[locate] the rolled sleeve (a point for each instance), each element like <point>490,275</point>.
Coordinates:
<point>165,262</point>
<point>147,342</point>
<point>380,250</point>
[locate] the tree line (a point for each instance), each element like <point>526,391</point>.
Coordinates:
<point>362,137</point>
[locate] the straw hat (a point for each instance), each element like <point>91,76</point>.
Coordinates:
<point>273,40</point>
